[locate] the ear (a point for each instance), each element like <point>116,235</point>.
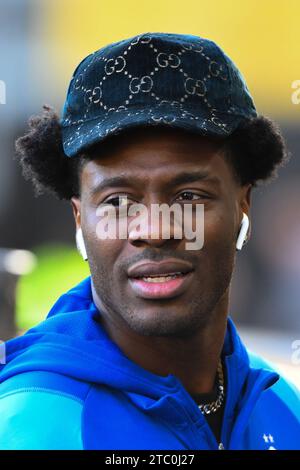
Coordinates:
<point>76,206</point>
<point>248,194</point>
<point>246,204</point>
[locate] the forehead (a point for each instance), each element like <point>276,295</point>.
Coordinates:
<point>155,153</point>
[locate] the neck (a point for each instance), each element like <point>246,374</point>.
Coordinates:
<point>193,360</point>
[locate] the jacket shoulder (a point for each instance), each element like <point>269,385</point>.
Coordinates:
<point>284,390</point>
<point>36,416</point>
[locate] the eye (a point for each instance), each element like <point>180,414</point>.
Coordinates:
<point>190,196</point>
<point>118,201</point>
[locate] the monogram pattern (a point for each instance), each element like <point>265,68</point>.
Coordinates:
<point>154,78</point>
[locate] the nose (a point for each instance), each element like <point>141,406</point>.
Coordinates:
<point>154,228</point>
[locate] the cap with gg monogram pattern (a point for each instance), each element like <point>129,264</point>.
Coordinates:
<point>176,80</point>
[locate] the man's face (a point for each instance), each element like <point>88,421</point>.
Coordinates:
<point>158,165</point>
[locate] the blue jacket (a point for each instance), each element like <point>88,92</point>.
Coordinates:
<point>66,385</point>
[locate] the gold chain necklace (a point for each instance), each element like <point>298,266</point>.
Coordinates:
<point>215,405</point>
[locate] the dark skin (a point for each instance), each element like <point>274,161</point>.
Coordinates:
<point>182,335</point>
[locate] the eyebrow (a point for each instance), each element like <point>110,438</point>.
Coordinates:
<point>188,177</point>
<point>182,178</point>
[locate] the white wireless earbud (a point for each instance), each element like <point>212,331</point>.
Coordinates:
<point>243,232</point>
<point>80,244</point>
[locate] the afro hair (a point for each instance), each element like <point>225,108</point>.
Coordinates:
<point>255,149</point>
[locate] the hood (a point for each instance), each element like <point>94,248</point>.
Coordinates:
<point>72,342</point>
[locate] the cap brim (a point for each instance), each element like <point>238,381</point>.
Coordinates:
<point>78,137</point>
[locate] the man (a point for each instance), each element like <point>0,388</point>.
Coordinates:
<point>142,354</point>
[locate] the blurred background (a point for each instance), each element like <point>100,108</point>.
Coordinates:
<point>41,43</point>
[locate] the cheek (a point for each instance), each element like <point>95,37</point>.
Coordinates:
<point>105,253</point>
<point>103,263</point>
<point>218,230</point>
<point>102,253</point>
<point>218,252</point>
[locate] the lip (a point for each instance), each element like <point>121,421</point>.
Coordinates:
<point>169,266</point>
<point>160,290</point>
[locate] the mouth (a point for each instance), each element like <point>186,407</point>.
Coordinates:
<point>160,280</point>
